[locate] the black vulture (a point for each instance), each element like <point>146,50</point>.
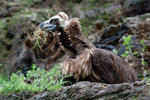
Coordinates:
<point>86,62</point>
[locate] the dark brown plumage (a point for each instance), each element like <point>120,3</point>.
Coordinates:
<point>90,63</point>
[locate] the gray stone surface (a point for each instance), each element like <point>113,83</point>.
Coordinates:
<point>90,91</point>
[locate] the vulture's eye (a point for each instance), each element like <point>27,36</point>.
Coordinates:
<point>54,21</point>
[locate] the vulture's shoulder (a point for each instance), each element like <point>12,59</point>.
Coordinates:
<point>74,28</point>
<point>104,56</point>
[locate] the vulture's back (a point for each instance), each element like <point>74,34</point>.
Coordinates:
<point>110,68</point>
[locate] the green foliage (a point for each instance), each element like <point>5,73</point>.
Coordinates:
<point>104,16</point>
<point>97,3</point>
<point>115,51</point>
<point>2,27</point>
<point>146,79</point>
<point>144,46</point>
<point>143,62</point>
<point>39,79</point>
<point>134,98</point>
<point>86,25</point>
<point>128,45</point>
<point>108,4</point>
<point>1,65</point>
<point>4,77</point>
<point>28,2</point>
<point>126,40</point>
<point>71,5</point>
<point>142,54</point>
<point>125,54</point>
<point>93,1</point>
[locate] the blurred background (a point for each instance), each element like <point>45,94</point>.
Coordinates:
<point>100,19</point>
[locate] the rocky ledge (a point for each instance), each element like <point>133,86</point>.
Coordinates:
<point>90,91</point>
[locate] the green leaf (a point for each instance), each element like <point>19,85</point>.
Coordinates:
<point>142,42</point>
<point>143,62</point>
<point>135,53</point>
<point>115,51</point>
<point>125,54</point>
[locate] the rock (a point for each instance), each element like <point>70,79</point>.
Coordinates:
<point>139,25</point>
<point>81,15</point>
<point>135,7</point>
<point>9,11</point>
<point>106,47</point>
<point>133,23</point>
<point>77,1</point>
<point>113,8</point>
<point>116,19</point>
<point>146,25</point>
<point>147,43</point>
<point>99,24</point>
<point>112,34</point>
<point>108,32</point>
<point>147,57</point>
<point>90,91</point>
<point>144,16</point>
<point>92,13</point>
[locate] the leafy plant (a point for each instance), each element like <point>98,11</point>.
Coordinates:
<point>36,80</point>
<point>142,54</point>
<point>105,17</point>
<point>29,2</point>
<point>115,51</point>
<point>127,44</point>
<point>1,65</point>
<point>134,98</point>
<point>143,63</point>
<point>128,47</point>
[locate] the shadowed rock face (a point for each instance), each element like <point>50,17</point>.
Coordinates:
<point>136,7</point>
<point>109,39</point>
<point>90,91</point>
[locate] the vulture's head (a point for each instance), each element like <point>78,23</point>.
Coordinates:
<point>60,20</point>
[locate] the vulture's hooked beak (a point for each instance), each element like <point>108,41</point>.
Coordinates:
<point>46,25</point>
